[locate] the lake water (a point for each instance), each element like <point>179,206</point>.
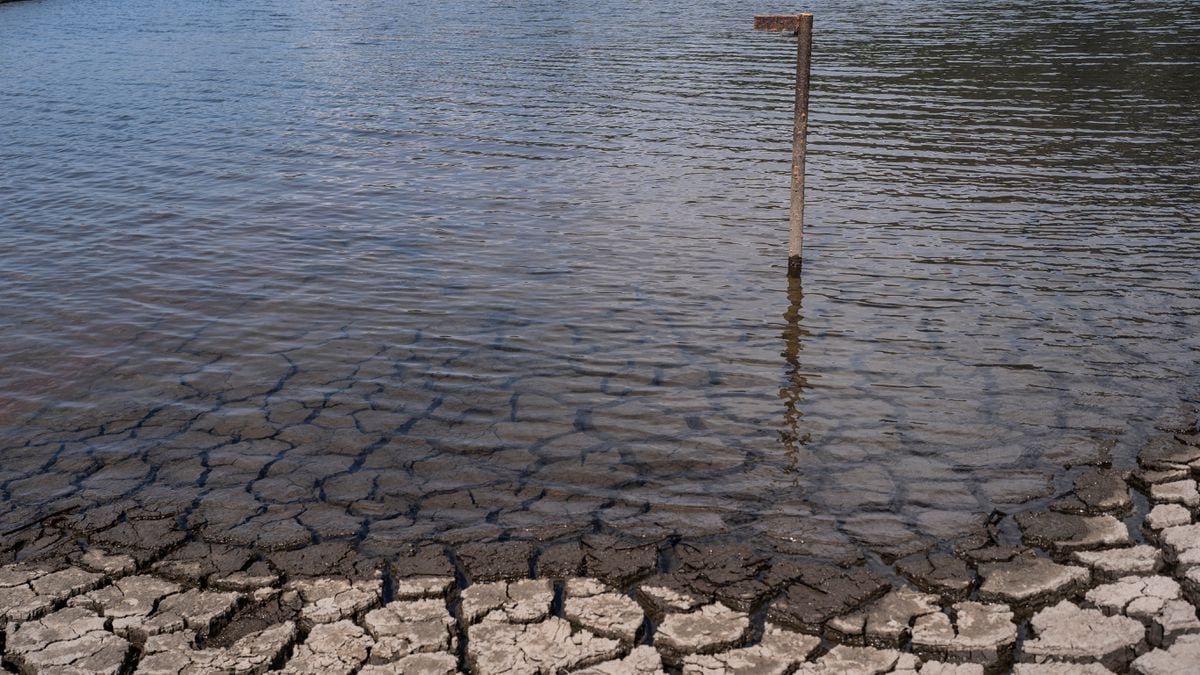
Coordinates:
<point>389,270</point>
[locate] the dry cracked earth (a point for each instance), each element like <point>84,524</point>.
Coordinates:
<point>1106,579</point>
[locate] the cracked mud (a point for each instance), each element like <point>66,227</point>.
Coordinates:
<point>1064,591</point>
<point>1095,583</point>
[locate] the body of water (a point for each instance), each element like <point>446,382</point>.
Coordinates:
<point>392,270</point>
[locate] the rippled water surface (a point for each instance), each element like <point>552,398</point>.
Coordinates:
<point>387,269</point>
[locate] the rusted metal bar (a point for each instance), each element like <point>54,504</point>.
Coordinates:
<point>801,24</point>
<point>788,23</point>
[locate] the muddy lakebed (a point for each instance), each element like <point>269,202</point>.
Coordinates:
<point>362,278</point>
<point>1107,579</point>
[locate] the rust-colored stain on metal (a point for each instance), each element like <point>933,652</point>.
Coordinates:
<point>780,22</point>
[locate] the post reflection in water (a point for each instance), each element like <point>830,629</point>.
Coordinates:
<point>796,382</point>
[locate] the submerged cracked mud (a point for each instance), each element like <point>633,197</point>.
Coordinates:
<point>1065,591</point>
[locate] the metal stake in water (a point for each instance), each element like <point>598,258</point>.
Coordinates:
<point>801,25</point>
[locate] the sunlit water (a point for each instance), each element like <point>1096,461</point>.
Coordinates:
<point>392,270</point>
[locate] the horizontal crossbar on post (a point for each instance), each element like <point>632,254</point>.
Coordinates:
<point>780,22</point>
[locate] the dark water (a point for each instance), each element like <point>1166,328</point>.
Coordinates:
<point>342,269</point>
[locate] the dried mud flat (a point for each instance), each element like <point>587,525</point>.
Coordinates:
<point>1106,579</point>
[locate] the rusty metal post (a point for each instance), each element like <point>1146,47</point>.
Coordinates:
<point>801,25</point>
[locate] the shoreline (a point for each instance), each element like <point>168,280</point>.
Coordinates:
<point>1106,579</point>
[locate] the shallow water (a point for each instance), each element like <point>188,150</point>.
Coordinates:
<point>383,269</point>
